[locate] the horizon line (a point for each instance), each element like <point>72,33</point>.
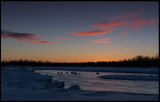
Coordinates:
<point>157,55</point>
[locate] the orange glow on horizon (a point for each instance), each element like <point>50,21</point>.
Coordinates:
<point>69,60</point>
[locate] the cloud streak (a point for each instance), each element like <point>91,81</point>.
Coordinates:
<point>137,23</point>
<point>109,25</point>
<point>24,37</point>
<point>129,15</point>
<point>132,22</point>
<point>88,33</point>
<point>124,33</point>
<point>126,21</point>
<point>104,40</point>
<point>140,23</point>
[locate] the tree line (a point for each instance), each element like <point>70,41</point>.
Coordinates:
<point>138,61</point>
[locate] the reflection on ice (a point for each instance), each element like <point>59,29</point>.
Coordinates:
<point>92,81</point>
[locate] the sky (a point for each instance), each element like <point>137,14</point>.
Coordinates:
<point>79,31</point>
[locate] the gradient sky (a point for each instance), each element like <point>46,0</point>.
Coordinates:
<point>78,31</point>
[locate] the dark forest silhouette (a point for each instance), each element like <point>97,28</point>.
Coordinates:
<point>138,61</point>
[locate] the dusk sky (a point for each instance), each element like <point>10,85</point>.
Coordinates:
<point>79,31</point>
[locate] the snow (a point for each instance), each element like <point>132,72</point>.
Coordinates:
<point>26,85</point>
<point>15,94</point>
<point>132,77</point>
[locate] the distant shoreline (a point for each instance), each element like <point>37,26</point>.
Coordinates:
<point>86,64</point>
<point>138,61</point>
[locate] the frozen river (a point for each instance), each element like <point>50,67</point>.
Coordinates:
<point>91,81</point>
<point>29,83</point>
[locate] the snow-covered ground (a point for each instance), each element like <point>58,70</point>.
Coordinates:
<point>26,85</point>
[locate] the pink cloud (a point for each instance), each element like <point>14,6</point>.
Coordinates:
<point>132,22</point>
<point>103,25</point>
<point>64,38</point>
<point>42,42</point>
<point>4,37</point>
<point>140,23</point>
<point>152,22</point>
<point>104,40</point>
<point>24,37</point>
<point>130,14</point>
<point>109,25</point>
<point>87,33</point>
<point>124,33</point>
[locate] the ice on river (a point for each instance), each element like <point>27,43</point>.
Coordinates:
<point>132,77</point>
<point>26,85</point>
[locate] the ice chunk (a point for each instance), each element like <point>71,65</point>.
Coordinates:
<point>97,73</point>
<point>74,88</point>
<point>72,72</point>
<point>75,73</point>
<point>66,73</point>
